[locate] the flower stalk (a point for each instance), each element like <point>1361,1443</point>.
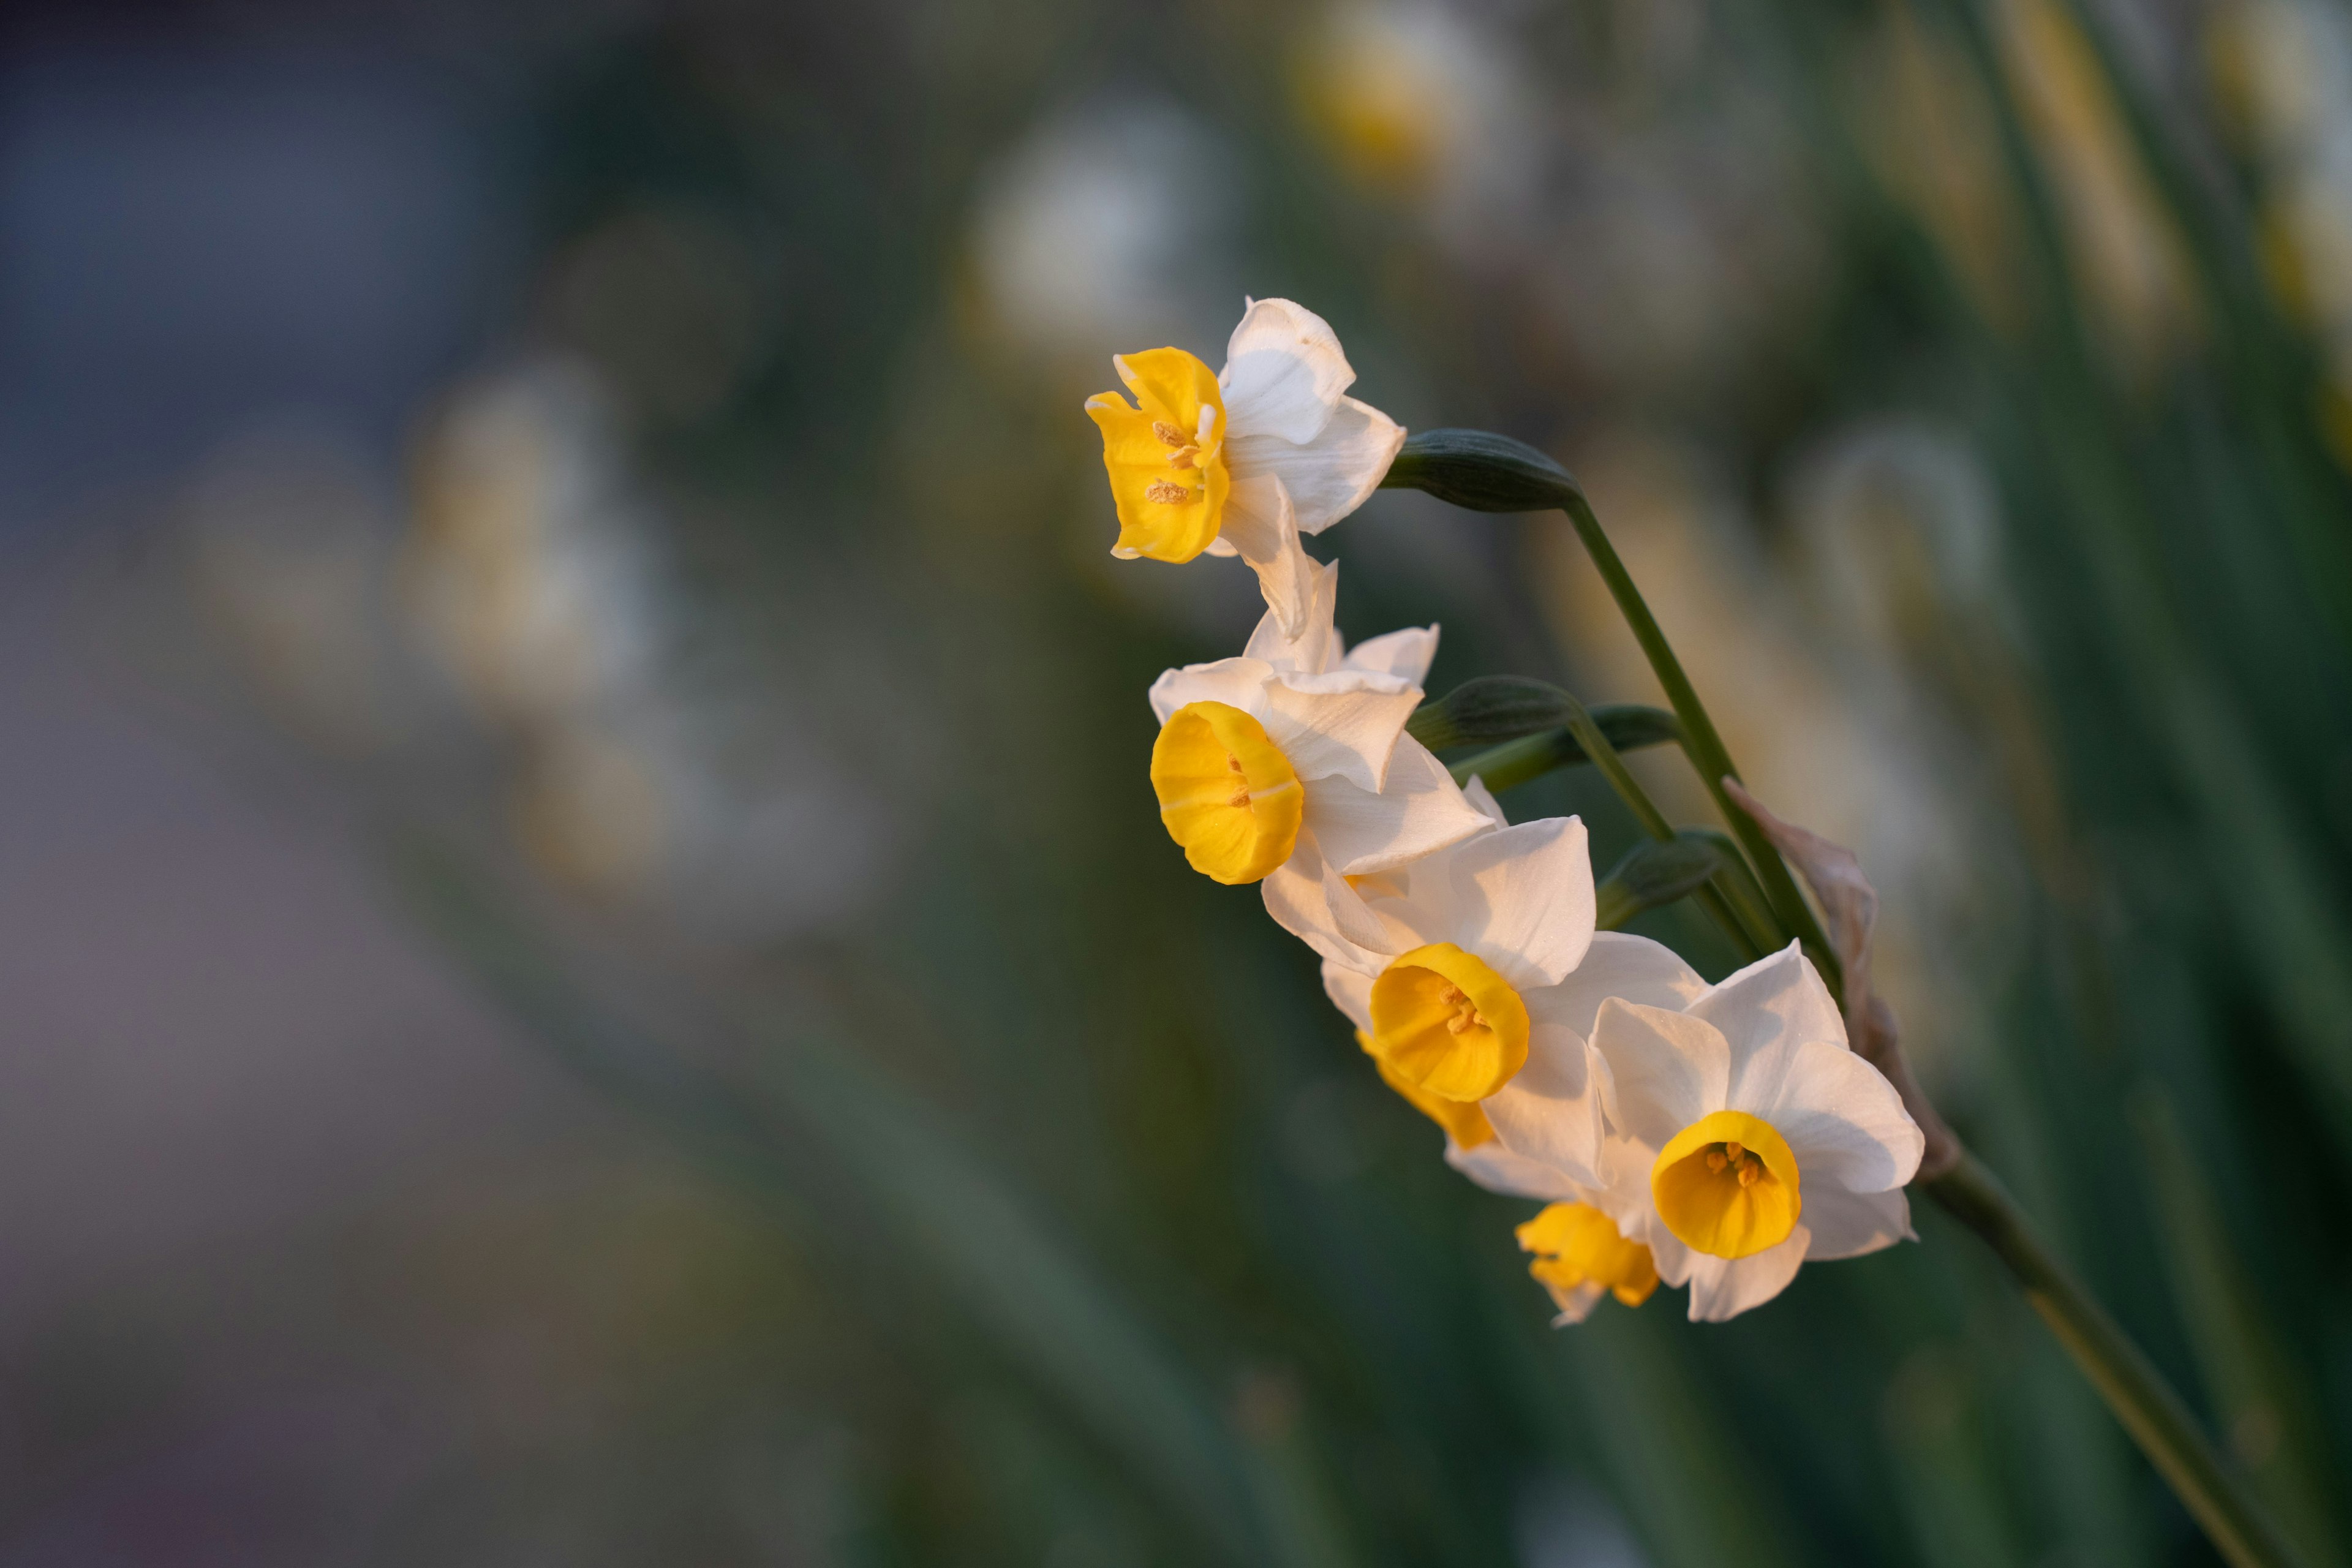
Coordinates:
<point>1484,472</point>
<point>2145,1405</point>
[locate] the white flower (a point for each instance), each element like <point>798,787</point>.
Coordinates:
<point>1300,742</point>
<point>1453,961</point>
<point>1580,1255</point>
<point>1243,461</point>
<point>1744,1137</point>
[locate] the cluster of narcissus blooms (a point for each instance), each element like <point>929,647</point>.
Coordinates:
<point>1709,1136</point>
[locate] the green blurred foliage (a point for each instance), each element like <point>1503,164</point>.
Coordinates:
<point>1082,1223</point>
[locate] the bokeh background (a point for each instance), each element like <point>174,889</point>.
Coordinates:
<point>587,972</point>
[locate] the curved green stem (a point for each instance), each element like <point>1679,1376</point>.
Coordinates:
<point>1605,756</point>
<point>1484,472</point>
<point>2145,1405</point>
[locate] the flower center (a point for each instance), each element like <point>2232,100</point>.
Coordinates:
<point>1163,453</point>
<point>1226,792</point>
<point>1576,1244</point>
<point>1447,1024</point>
<point>1727,1184</point>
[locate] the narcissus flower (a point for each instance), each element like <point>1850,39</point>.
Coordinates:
<point>1452,962</point>
<point>1243,460</point>
<point>1301,741</point>
<point>1581,1256</point>
<point>1746,1138</point>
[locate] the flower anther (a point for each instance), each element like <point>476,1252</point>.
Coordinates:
<point>1167,473</point>
<point>1448,1024</point>
<point>1728,1185</point>
<point>1226,792</point>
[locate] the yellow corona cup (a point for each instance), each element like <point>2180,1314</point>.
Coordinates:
<point>1226,792</point>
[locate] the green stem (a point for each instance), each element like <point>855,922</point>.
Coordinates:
<point>1605,756</point>
<point>1484,472</point>
<point>1492,473</point>
<point>2154,1415</point>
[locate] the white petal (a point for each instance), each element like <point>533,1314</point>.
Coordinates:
<point>1218,546</point>
<point>1284,373</point>
<point>1329,476</point>
<point>1261,527</point>
<point>1620,965</point>
<point>1236,682</point>
<point>1496,1169</point>
<point>1308,898</point>
<point>1407,653</point>
<point>1351,992</point>
<point>1778,997</point>
<point>1723,1287</point>
<point>1666,1069</point>
<point>1550,1113</point>
<point>1477,793</point>
<point>1418,810</point>
<point>1519,898</point>
<point>1317,647</point>
<point>1342,725</point>
<point>1848,1225</point>
<point>1843,1121</point>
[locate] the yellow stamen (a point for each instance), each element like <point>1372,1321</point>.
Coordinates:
<point>1448,1022</point>
<point>1178,417</point>
<point>1727,1184</point>
<point>1226,792</point>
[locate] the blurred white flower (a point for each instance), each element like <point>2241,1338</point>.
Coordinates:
<point>1419,99</point>
<point>534,579</point>
<point>1110,225</point>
